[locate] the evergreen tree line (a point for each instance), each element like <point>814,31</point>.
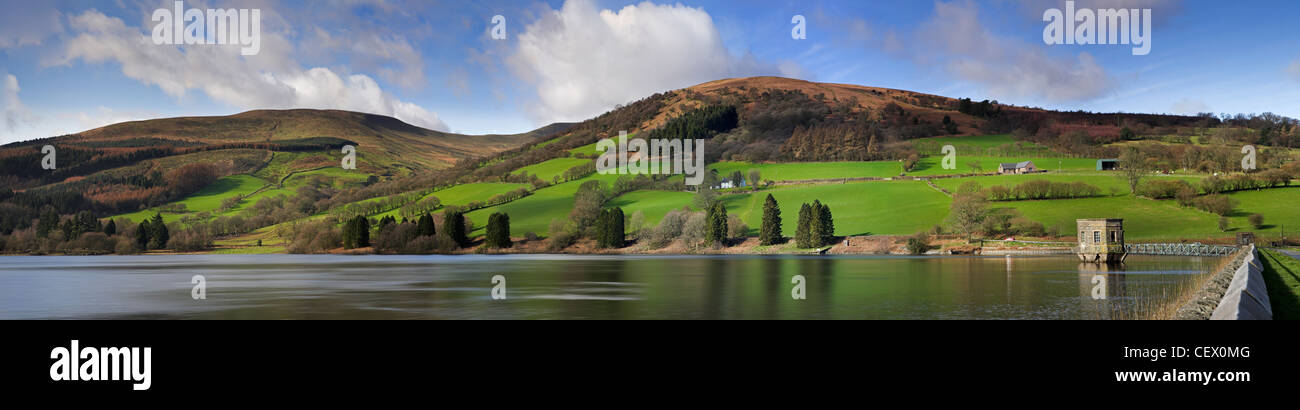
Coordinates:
<point>816,226</point>
<point>151,234</point>
<point>610,228</point>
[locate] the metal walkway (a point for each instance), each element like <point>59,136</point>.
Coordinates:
<point>1180,249</point>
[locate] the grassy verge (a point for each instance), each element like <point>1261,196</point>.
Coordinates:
<point>1282,276</point>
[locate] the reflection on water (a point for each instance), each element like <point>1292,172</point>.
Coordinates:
<point>584,287</point>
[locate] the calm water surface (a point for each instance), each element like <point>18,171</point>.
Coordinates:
<point>584,287</point>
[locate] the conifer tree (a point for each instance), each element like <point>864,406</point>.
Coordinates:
<point>615,231</point>
<point>424,227</point>
<point>802,236</point>
<point>498,231</point>
<point>453,223</point>
<point>716,218</point>
<point>158,235</point>
<point>142,234</point>
<point>770,233</point>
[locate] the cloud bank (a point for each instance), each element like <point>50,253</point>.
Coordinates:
<point>268,80</point>
<point>957,40</point>
<point>583,61</point>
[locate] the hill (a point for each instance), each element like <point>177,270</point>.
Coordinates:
<point>874,155</point>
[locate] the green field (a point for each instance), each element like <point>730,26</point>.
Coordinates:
<point>1278,206</point>
<point>1282,278</point>
<point>534,213</point>
<point>1144,219</point>
<point>207,199</point>
<point>878,208</point>
<point>933,165</point>
<point>1105,181</point>
<point>794,171</point>
<point>463,194</point>
<point>551,168</point>
<point>655,204</point>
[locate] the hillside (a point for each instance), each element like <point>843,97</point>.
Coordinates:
<point>269,181</point>
<point>378,135</point>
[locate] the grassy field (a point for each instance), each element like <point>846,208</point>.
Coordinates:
<point>1105,181</point>
<point>207,199</point>
<point>933,165</point>
<point>1282,277</point>
<point>655,204</point>
<point>1144,219</point>
<point>535,212</point>
<point>899,207</point>
<point>1278,206</point>
<point>794,171</point>
<point>551,168</point>
<point>464,194</point>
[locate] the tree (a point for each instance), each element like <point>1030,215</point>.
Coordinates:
<point>1223,223</point>
<point>587,203</point>
<point>424,226</point>
<point>363,231</point>
<point>754,176</point>
<point>827,223</point>
<point>498,231</point>
<point>637,222</point>
<point>770,232</point>
<point>1132,167</point>
<point>453,222</point>
<point>356,233</point>
<point>142,234</point>
<point>618,232</point>
<point>918,244</point>
<point>1256,220</point>
<point>704,198</point>
<point>967,213</point>
<point>110,228</point>
<point>716,224</point>
<point>949,125</point>
<point>158,235</point>
<point>49,221</point>
<point>802,232</point>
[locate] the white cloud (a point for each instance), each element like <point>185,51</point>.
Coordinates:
<point>584,61</point>
<point>1294,70</point>
<point>956,39</point>
<point>268,80</point>
<point>15,115</point>
<point>28,24</point>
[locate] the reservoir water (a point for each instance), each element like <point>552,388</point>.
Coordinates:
<point>587,287</point>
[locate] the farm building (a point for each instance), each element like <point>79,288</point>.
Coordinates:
<point>728,183</point>
<point>1017,168</point>
<point>1107,164</point>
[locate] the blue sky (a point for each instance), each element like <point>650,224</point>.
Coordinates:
<point>67,66</point>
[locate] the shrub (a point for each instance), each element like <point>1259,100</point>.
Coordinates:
<point>918,244</point>
<point>1026,226</point>
<point>736,228</point>
<point>314,237</point>
<point>1163,189</point>
<point>669,228</point>
<point>191,240</point>
<point>695,230</point>
<point>1256,221</point>
<point>1218,204</point>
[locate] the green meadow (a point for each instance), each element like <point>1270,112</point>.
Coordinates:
<point>795,171</point>
<point>551,168</point>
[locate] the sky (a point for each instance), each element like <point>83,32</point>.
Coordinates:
<point>69,66</point>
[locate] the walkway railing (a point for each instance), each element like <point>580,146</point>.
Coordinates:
<point>1180,249</point>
